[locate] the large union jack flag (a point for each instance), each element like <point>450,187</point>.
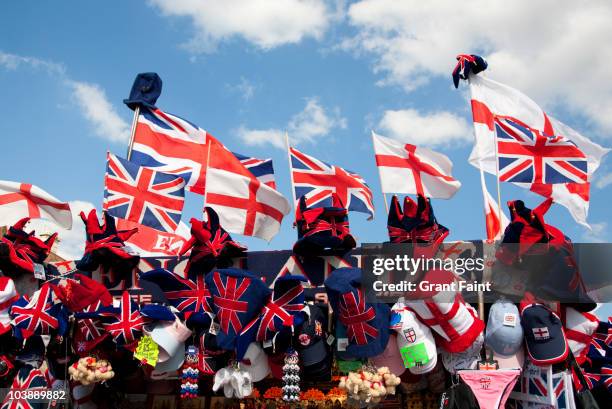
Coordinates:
<point>262,169</point>
<point>40,315</point>
<point>527,155</point>
<point>317,180</point>
<point>127,324</point>
<point>143,195</point>
<point>229,302</point>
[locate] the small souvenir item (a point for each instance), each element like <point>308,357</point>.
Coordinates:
<point>291,377</point>
<point>190,374</point>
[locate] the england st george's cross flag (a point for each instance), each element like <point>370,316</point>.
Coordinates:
<point>536,151</point>
<point>406,168</point>
<point>143,195</point>
<point>317,180</point>
<point>19,200</point>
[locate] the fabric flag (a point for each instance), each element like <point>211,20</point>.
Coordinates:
<point>495,220</point>
<point>172,145</point>
<point>149,242</point>
<point>262,169</point>
<point>317,180</point>
<point>556,168</point>
<point>143,195</point>
<point>19,200</point>
<point>406,168</point>
<point>244,204</point>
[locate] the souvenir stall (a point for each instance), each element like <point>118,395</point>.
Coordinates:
<point>212,325</point>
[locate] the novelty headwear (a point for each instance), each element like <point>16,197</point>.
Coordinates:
<point>19,251</point>
<point>415,224</point>
<point>209,244</point>
<point>127,324</point>
<point>238,296</point>
<point>40,315</point>
<point>322,228</point>
<point>8,296</point>
<point>367,324</point>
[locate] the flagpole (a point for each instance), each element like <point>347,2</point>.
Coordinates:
<point>379,177</point>
<point>209,143</point>
<point>290,170</point>
<point>499,209</point>
<point>133,131</point>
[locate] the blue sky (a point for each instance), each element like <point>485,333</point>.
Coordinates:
<point>328,71</point>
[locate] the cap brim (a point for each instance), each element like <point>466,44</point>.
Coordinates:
<point>258,370</point>
<point>552,351</point>
<point>391,357</point>
<point>428,367</point>
<point>514,361</point>
<point>313,354</point>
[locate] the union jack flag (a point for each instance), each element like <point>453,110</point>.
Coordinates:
<point>280,312</point>
<point>356,317</point>
<point>527,155</point>
<point>317,180</point>
<point>187,296</point>
<point>128,323</point>
<point>262,169</point>
<point>90,330</point>
<point>40,315</point>
<point>27,378</point>
<point>228,301</point>
<point>172,145</point>
<point>143,195</point>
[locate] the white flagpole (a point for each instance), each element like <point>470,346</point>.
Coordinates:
<point>290,170</point>
<point>380,177</point>
<point>209,143</point>
<point>133,131</point>
<point>499,209</point>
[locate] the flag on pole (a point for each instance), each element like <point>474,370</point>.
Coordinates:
<point>317,180</point>
<point>262,169</point>
<point>406,168</point>
<point>19,200</point>
<point>244,203</point>
<point>143,195</point>
<point>495,220</point>
<point>172,145</point>
<point>558,176</point>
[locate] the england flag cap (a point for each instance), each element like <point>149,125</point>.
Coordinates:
<point>414,338</point>
<point>544,335</point>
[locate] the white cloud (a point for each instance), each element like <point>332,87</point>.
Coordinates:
<point>70,244</point>
<point>95,107</point>
<point>308,125</point>
<point>603,180</point>
<point>557,51</point>
<point>91,98</point>
<point>431,129</point>
<point>598,232</point>
<point>245,88</point>
<point>264,23</point>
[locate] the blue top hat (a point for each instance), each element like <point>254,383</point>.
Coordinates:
<point>147,87</point>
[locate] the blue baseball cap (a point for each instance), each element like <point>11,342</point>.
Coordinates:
<point>504,333</point>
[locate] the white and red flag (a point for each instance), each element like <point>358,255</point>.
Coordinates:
<point>244,203</point>
<point>495,219</point>
<point>150,242</point>
<point>19,200</point>
<point>406,168</point>
<point>516,138</point>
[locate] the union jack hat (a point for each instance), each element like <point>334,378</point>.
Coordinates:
<point>105,245</point>
<point>190,297</point>
<point>468,64</point>
<point>209,244</point>
<point>27,378</point>
<point>238,296</point>
<point>8,296</point>
<point>367,324</point>
<point>322,228</point>
<point>126,324</point>
<point>284,310</point>
<point>42,314</point>
<point>415,224</point>
<point>19,251</point>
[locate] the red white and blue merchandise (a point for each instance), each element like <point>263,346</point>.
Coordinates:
<point>189,296</point>
<point>527,155</point>
<point>42,314</point>
<point>262,169</point>
<point>126,324</point>
<point>143,195</point>
<point>238,296</point>
<point>317,180</point>
<point>89,329</point>
<point>22,252</point>
<point>8,296</point>
<point>367,324</point>
<point>27,379</point>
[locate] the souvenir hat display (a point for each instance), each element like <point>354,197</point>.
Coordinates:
<point>204,319</point>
